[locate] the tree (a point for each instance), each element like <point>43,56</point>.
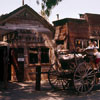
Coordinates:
<point>47,5</point>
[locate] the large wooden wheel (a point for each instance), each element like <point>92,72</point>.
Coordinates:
<point>56,78</point>
<point>98,66</point>
<point>84,78</point>
<point>98,71</point>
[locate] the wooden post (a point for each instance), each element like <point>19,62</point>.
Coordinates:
<point>38,72</point>
<point>38,78</point>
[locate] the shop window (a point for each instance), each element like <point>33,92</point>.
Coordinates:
<point>20,52</point>
<point>82,43</point>
<point>27,38</point>
<point>36,54</point>
<point>79,43</point>
<point>40,39</point>
<point>33,55</point>
<point>44,55</point>
<point>20,37</point>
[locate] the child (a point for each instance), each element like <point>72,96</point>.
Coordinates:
<point>97,61</point>
<point>95,45</point>
<point>97,55</point>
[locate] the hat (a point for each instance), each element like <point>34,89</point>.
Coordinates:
<point>95,42</point>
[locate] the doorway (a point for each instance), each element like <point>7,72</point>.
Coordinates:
<point>5,68</point>
<point>17,62</point>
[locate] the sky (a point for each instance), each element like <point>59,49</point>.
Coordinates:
<point>65,9</point>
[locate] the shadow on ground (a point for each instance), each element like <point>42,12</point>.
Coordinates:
<point>26,91</point>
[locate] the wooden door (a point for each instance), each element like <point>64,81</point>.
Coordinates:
<point>17,59</point>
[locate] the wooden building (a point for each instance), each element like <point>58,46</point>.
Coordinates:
<point>74,33</point>
<point>69,31</point>
<point>93,21</point>
<point>30,38</point>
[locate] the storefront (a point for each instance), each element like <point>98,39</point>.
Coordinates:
<point>30,39</point>
<point>73,33</point>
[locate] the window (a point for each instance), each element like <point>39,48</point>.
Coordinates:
<point>20,37</point>
<point>37,55</point>
<point>33,55</point>
<point>78,43</point>
<point>20,52</point>
<point>82,43</point>
<point>44,55</point>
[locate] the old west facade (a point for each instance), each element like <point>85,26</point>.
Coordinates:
<point>30,37</point>
<point>74,33</point>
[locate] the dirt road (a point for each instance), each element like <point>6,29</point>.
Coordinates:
<point>26,91</point>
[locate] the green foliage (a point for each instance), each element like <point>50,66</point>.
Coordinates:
<point>48,5</point>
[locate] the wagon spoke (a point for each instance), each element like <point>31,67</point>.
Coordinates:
<point>64,82</point>
<point>90,81</point>
<point>78,76</point>
<point>89,69</point>
<point>79,87</point>
<point>85,87</point>
<point>77,80</point>
<point>55,79</point>
<point>90,76</point>
<point>82,88</point>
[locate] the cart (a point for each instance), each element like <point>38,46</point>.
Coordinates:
<point>73,70</point>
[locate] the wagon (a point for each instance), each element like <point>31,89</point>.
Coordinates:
<point>73,70</point>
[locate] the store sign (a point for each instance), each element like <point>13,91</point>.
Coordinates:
<point>21,59</point>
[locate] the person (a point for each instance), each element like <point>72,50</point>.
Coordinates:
<point>97,62</point>
<point>91,45</point>
<point>95,45</point>
<point>89,50</point>
<point>97,55</point>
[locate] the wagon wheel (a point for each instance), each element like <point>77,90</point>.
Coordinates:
<point>98,72</point>
<point>99,66</point>
<point>84,78</point>
<point>56,78</point>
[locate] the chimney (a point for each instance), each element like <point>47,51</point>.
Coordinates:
<point>22,2</point>
<point>57,16</point>
<point>82,16</point>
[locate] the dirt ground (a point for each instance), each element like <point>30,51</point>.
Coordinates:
<point>26,91</point>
